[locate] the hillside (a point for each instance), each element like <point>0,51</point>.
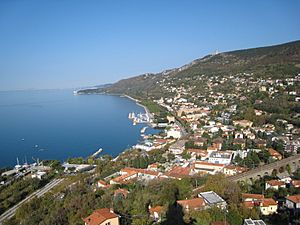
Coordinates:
<point>265,62</point>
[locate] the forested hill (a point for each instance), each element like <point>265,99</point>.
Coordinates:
<point>277,61</point>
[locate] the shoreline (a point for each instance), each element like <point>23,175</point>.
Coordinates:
<point>139,104</point>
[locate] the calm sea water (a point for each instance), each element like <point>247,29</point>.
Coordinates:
<point>55,124</point>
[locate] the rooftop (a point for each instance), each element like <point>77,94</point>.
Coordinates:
<point>99,216</point>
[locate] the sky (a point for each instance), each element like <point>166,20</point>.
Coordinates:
<point>47,44</point>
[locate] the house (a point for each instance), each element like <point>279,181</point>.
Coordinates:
<point>231,170</point>
<point>268,206</point>
<point>200,142</point>
<point>39,175</point>
<point>260,143</point>
<point>198,153</point>
<point>156,212</point>
<point>191,204</point>
<point>239,135</point>
<point>217,143</point>
<point>274,184</point>
<point>208,168</point>
<point>102,184</point>
<point>103,216</point>
<point>179,172</point>
<point>212,199</point>
<point>240,142</point>
<point>128,175</point>
<point>293,202</point>
<point>219,157</point>
<point>153,167</point>
<point>284,177</point>
<point>296,183</point>
<point>242,123</point>
<point>178,147</point>
<point>121,193</point>
<point>252,197</point>
<point>274,154</point>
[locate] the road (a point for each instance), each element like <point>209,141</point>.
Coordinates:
<point>39,193</point>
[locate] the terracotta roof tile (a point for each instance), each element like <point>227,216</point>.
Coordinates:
<point>194,203</point>
<point>99,216</point>
<point>294,198</point>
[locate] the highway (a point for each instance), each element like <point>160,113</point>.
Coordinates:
<point>39,193</point>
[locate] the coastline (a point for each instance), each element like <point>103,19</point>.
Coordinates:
<point>139,104</point>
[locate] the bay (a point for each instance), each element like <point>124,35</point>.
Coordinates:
<point>55,124</point>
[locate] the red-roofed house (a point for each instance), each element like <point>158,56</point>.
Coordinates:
<point>103,216</point>
<point>179,172</point>
<point>252,197</point>
<point>128,175</point>
<point>268,206</point>
<point>274,154</point>
<point>275,184</point>
<point>156,212</point>
<point>121,192</point>
<point>191,204</point>
<point>102,184</point>
<point>293,202</point>
<point>296,183</point>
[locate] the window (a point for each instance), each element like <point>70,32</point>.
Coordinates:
<point>107,223</point>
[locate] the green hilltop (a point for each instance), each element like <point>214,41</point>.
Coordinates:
<point>275,62</point>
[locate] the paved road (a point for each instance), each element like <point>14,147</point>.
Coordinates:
<point>39,193</point>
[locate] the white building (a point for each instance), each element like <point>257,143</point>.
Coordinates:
<point>174,133</point>
<point>178,147</point>
<point>220,157</point>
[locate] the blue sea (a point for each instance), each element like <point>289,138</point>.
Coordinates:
<point>55,124</point>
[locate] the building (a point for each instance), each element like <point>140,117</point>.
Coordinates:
<point>295,183</point>
<point>129,175</point>
<point>268,206</point>
<point>102,184</point>
<point>208,168</point>
<point>191,204</point>
<point>212,199</point>
<point>178,147</point>
<point>179,172</point>
<point>274,184</point>
<point>200,142</point>
<point>174,133</point>
<point>220,157</point>
<point>122,193</point>
<point>39,175</point>
<point>242,123</point>
<point>198,153</point>
<point>274,154</point>
<point>156,212</point>
<point>103,216</point>
<point>231,170</point>
<point>293,202</point>
<point>252,197</point>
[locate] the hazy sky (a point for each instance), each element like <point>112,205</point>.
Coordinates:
<point>73,43</point>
